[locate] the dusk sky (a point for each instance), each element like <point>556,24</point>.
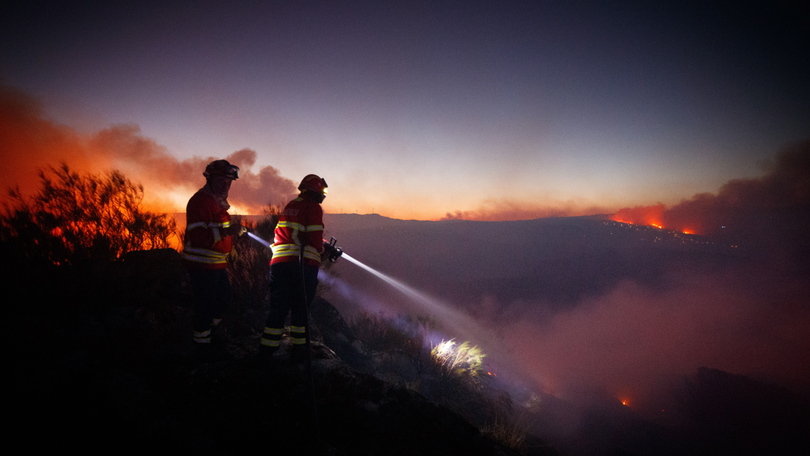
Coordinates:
<point>424,110</point>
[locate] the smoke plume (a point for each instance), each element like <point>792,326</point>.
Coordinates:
<point>505,210</point>
<point>770,212</point>
<point>30,142</point>
<point>634,343</point>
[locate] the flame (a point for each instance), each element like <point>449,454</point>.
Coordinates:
<point>641,215</point>
<point>656,216</point>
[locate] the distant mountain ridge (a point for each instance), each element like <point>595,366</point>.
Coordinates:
<point>555,260</point>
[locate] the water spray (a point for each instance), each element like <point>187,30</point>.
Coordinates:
<point>402,287</point>
<point>458,322</point>
<point>260,240</point>
<point>333,252</point>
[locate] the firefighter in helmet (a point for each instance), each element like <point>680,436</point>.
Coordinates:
<point>297,250</point>
<point>209,247</point>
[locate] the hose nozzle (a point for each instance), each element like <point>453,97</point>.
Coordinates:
<point>332,251</point>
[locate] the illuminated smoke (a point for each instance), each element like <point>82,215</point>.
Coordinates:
<point>505,210</point>
<point>773,209</point>
<point>635,342</point>
<point>30,142</point>
<point>151,164</point>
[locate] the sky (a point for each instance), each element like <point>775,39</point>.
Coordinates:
<point>413,110</point>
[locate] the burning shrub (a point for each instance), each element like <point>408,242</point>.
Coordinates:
<point>78,217</point>
<point>453,375</point>
<point>463,361</point>
<point>446,373</point>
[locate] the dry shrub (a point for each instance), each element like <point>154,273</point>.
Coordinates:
<point>78,217</point>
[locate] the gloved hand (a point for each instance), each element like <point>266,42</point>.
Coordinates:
<point>236,230</point>
<point>233,257</point>
<point>330,252</point>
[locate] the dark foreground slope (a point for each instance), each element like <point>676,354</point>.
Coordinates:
<point>100,361</point>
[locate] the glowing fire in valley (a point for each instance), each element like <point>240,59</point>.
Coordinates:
<point>647,216</point>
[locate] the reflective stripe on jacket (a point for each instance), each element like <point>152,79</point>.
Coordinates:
<point>206,244</point>
<point>300,226</point>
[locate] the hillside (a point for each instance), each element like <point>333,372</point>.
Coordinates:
<point>102,362</point>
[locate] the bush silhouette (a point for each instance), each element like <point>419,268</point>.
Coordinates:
<point>77,217</point>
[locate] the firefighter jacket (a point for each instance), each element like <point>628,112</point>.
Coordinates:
<point>300,226</point>
<point>206,243</point>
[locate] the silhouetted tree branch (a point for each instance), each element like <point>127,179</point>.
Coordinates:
<point>77,217</point>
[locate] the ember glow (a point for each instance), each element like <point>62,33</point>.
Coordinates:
<point>641,215</point>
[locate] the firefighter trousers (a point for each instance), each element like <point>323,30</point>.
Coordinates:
<point>290,293</point>
<point>212,296</point>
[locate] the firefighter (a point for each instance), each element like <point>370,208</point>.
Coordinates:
<point>297,249</point>
<point>209,248</point>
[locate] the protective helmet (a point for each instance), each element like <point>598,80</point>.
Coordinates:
<point>221,168</point>
<point>313,183</point>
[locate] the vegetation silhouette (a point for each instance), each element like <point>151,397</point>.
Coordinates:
<point>79,217</point>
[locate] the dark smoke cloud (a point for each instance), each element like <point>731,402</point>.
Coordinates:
<point>767,213</point>
<point>771,211</point>
<point>29,142</point>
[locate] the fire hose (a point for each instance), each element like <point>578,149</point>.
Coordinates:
<point>332,252</point>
